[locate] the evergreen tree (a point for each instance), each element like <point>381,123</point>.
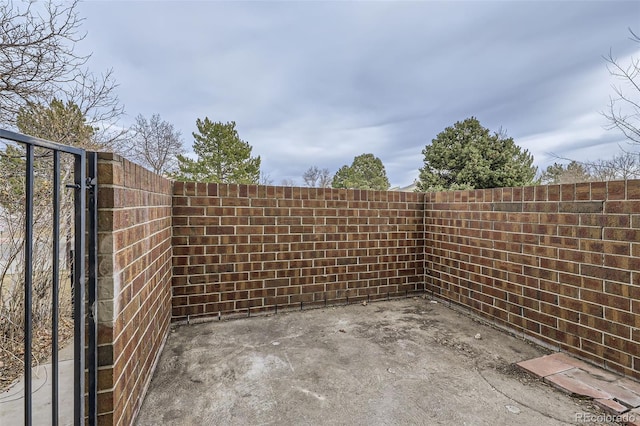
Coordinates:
<point>366,172</point>
<point>59,122</point>
<point>222,156</point>
<point>467,156</point>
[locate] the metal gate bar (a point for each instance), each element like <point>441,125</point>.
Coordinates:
<point>78,288</point>
<point>28,282</point>
<point>56,288</point>
<point>80,186</point>
<point>92,356</point>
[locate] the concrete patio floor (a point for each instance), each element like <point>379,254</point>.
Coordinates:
<point>409,361</point>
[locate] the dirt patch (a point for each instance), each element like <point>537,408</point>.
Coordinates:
<point>512,370</point>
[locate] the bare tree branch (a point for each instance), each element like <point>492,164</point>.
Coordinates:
<point>265,178</point>
<point>622,166</point>
<point>288,182</point>
<point>36,53</point>
<point>38,63</point>
<point>155,144</point>
<point>623,111</point>
<point>316,177</point>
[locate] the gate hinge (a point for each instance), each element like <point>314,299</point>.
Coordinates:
<point>91,181</point>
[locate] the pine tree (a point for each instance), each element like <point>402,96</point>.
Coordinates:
<point>467,156</point>
<point>222,156</point>
<point>366,172</point>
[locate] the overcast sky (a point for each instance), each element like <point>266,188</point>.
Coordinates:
<point>318,83</point>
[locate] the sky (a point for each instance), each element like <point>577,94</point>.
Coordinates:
<point>318,83</point>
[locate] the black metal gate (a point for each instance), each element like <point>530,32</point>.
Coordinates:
<point>83,276</point>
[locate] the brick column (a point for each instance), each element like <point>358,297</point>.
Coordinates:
<point>134,283</point>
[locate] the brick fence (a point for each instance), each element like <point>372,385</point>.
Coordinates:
<point>558,264</point>
<point>239,248</point>
<point>134,283</point>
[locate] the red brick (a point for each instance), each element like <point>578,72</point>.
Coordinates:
<point>622,234</point>
<point>605,273</point>
<point>622,207</point>
<point>598,190</point>
<point>567,192</point>
<point>583,191</point>
<point>528,193</point>
<point>616,190</point>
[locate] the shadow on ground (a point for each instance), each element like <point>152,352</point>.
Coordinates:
<point>408,361</point>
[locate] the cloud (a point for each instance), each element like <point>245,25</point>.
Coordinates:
<point>317,83</point>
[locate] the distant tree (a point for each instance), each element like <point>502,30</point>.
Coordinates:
<point>325,179</point>
<point>222,156</point>
<point>624,107</point>
<point>315,177</point>
<point>265,179</point>
<point>622,166</point>
<point>573,172</point>
<point>288,182</point>
<point>341,178</point>
<point>38,61</point>
<point>62,122</point>
<point>58,122</point>
<point>625,165</point>
<point>366,172</point>
<point>37,53</point>
<point>466,156</point>
<point>155,144</point>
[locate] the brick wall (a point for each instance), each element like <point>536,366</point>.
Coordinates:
<point>558,263</point>
<point>134,283</point>
<point>239,248</point>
